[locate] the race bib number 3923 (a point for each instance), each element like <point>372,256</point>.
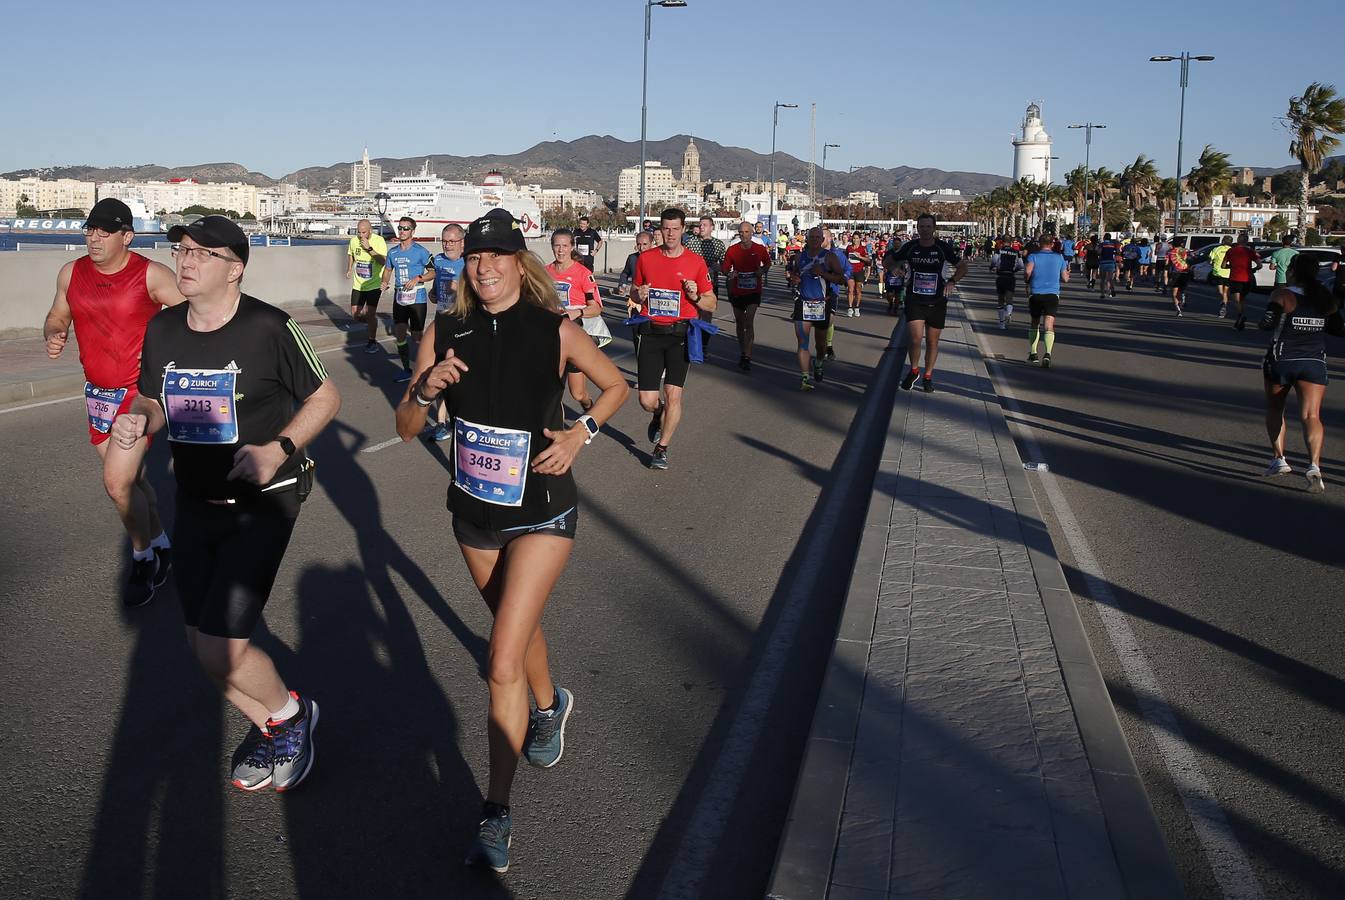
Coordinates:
<point>665,302</point>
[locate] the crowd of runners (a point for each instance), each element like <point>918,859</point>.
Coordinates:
<point>239,393</point>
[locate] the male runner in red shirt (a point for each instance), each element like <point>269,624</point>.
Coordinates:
<point>110,295</point>
<point>1241,261</point>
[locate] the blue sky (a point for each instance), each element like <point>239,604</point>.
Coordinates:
<point>280,85</point>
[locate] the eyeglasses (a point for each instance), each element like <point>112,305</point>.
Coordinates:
<point>403,227</point>
<point>181,251</point>
<point>101,232</point>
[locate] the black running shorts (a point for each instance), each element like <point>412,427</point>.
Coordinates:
<point>1004,284</point>
<point>412,315</point>
<point>367,299</point>
<point>478,538</point>
<point>225,559</point>
<point>933,315</point>
<point>662,359</point>
<point>1239,288</point>
<point>742,301</point>
<point>1039,305</point>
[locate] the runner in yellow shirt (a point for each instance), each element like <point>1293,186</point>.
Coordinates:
<point>1218,271</point>
<point>364,266</point>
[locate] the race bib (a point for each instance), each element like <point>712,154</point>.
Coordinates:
<point>567,298</point>
<point>747,281</point>
<point>926,284</point>
<point>407,296</point>
<point>103,404</point>
<point>491,464</point>
<point>199,405</point>
<point>585,249</point>
<point>665,302</point>
<point>364,270</point>
<point>814,310</point>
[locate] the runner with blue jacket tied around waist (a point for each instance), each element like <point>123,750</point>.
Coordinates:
<point>498,359</point>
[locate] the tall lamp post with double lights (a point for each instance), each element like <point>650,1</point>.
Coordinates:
<point>1045,190</point>
<point>1087,158</point>
<point>775,123</point>
<point>644,90</point>
<point>1185,60</point>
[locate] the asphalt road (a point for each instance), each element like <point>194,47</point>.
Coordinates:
<point>1232,583</point>
<point>118,746</point>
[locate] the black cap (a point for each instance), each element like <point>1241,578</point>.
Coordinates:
<point>214,231</point>
<point>110,214</point>
<point>496,230</point>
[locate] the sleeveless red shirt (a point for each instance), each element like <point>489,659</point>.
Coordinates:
<point>110,313</point>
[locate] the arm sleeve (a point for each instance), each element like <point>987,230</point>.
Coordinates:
<point>1272,316</point>
<point>299,366</point>
<point>640,277</point>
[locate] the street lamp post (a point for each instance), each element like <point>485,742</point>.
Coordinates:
<point>644,90</point>
<point>1087,162</point>
<point>824,170</point>
<point>1185,60</point>
<point>1045,190</point>
<point>775,123</point>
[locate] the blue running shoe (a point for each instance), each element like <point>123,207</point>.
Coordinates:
<point>255,761</point>
<point>545,742</point>
<point>293,741</point>
<point>493,839</point>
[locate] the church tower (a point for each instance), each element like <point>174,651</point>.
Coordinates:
<point>691,166</point>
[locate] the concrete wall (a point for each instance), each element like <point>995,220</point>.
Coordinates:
<point>285,276</point>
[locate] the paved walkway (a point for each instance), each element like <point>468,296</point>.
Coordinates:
<point>964,744</point>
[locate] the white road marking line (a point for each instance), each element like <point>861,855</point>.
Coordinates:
<point>1229,862</point>
<point>40,403</point>
<point>690,865</point>
<point>374,448</point>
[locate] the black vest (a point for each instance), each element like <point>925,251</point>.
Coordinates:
<point>513,381</point>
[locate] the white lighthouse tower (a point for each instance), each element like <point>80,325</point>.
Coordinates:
<point>1032,150</point>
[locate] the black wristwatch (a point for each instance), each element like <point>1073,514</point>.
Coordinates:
<point>287,445</point>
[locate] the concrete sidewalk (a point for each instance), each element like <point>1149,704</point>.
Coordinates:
<point>964,744</point>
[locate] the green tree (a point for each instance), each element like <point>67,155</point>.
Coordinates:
<point>1075,180</point>
<point>1211,175</point>
<point>1138,180</point>
<point>1148,218</point>
<point>1104,182</point>
<point>1314,121</point>
<point>24,209</point>
<point>1274,228</point>
<point>1116,215</point>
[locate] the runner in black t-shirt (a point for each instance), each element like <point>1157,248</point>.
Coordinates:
<point>920,263</point>
<point>587,242</point>
<point>223,373</point>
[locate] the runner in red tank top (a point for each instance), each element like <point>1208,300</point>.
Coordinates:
<point>109,296</point>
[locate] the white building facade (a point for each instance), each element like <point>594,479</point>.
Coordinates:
<point>365,176</point>
<point>660,186</point>
<point>1032,149</point>
<point>57,194</point>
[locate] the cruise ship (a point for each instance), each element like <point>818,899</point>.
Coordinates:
<point>434,202</point>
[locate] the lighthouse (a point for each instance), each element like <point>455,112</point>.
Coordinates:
<point>1032,149</point>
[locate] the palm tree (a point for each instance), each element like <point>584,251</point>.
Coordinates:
<point>1166,197</point>
<point>1075,180</point>
<point>1104,181</point>
<point>1314,120</point>
<point>999,209</point>
<point>1138,181</point>
<point>1211,175</point>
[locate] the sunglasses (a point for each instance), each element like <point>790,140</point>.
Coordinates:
<point>403,227</point>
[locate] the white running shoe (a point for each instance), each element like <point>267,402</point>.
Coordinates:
<point>1315,483</point>
<point>1278,467</point>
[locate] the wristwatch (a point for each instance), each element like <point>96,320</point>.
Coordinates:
<point>287,445</point>
<point>591,426</point>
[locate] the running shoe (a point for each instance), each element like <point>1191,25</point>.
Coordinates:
<point>856,313</point>
<point>404,377</point>
<point>1315,483</point>
<point>659,458</point>
<point>1032,357</point>
<point>1046,361</point>
<point>493,840</point>
<point>744,363</point>
<point>927,384</point>
<point>830,354</point>
<point>254,761</point>
<point>806,384</point>
<point>655,429</point>
<point>441,433</point>
<point>163,561</point>
<point>1113,293</point>
<point>818,374</point>
<point>544,743</point>
<point>371,347</point>
<point>1278,466</point>
<point>1223,311</point>
<point>140,585</point>
<point>293,741</point>
<point>910,379</point>
<point>1241,323</point>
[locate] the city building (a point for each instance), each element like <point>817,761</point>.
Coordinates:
<point>281,199</point>
<point>691,168</point>
<point>1229,213</point>
<point>177,194</point>
<point>947,193</point>
<point>1032,149</point>
<point>561,199</point>
<point>365,176</point>
<point>862,198</point>
<point>46,196</point>
<point>659,185</point>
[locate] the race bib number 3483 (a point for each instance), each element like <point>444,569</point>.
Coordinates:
<point>491,464</point>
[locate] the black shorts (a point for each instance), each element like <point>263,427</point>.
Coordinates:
<point>469,535</point>
<point>368,299</point>
<point>1004,285</point>
<point>412,316</point>
<point>742,301</point>
<point>1039,305</point>
<point>225,559</point>
<point>662,359</point>
<point>1288,371</point>
<point>797,314</point>
<point>1180,280</point>
<point>934,315</point>
<point>586,262</point>
<point>1161,265</point>
<point>1239,287</point>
